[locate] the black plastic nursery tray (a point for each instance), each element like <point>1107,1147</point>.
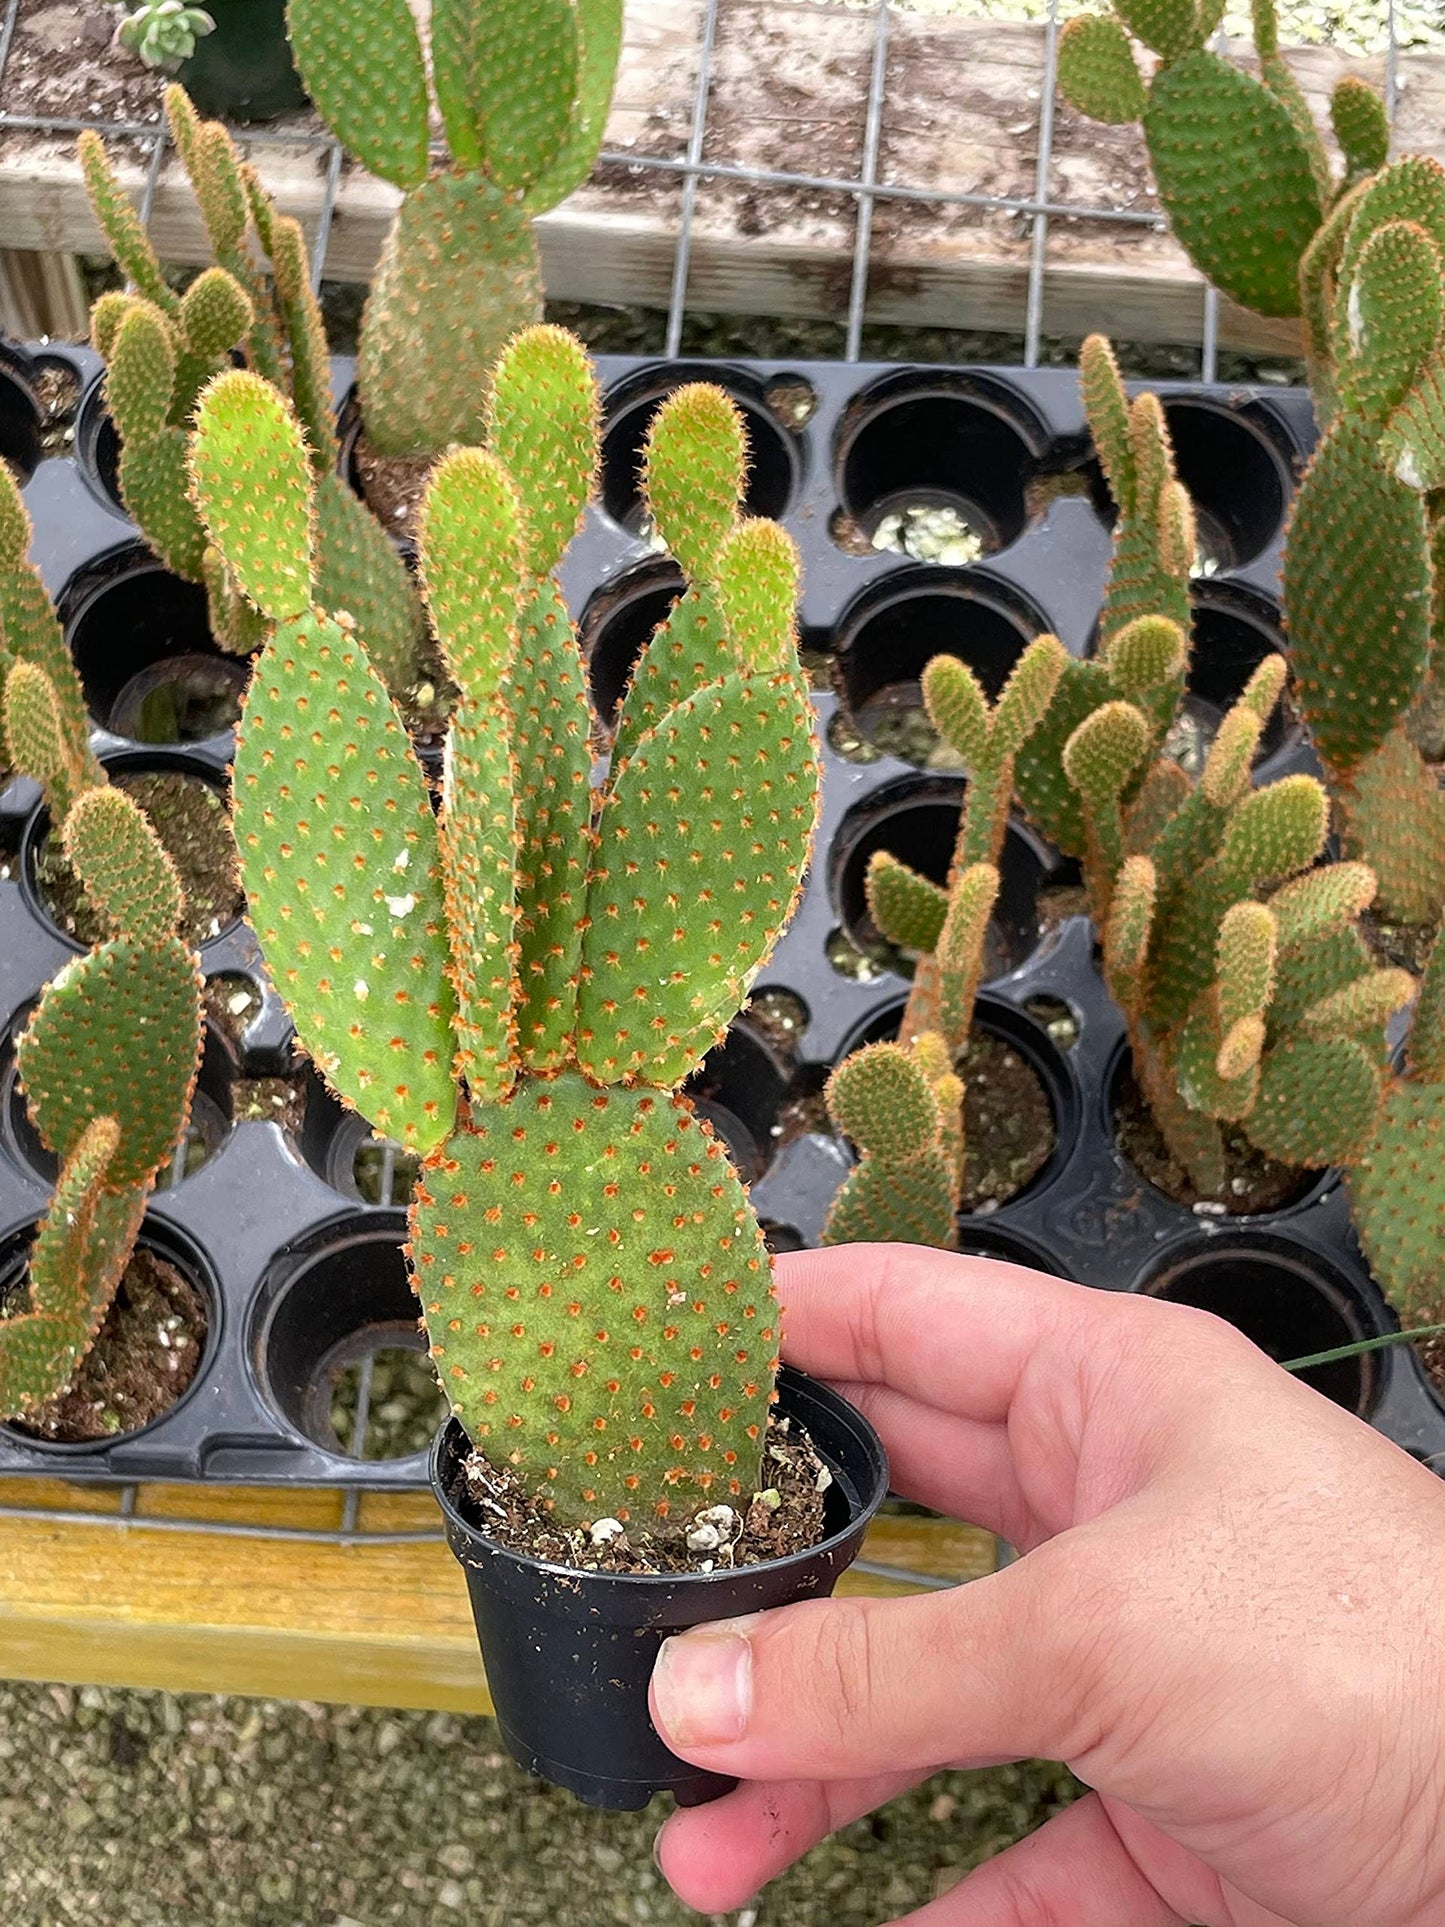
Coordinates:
<point>289,1216</point>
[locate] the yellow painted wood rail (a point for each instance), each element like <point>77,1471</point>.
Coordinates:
<point>366,1622</point>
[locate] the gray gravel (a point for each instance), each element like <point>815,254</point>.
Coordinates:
<point>127,1809</point>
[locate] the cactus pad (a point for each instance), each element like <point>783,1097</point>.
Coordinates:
<point>251,477</point>
<point>123,866</point>
<point>360,574</point>
<point>116,1034</point>
<point>542,426</point>
<point>596,1293</point>
<point>1098,72</point>
<point>1319,1100</point>
<point>348,906</point>
<point>905,1185</point>
<point>701,851</point>
<point>1236,176</point>
<point>1399,1198</point>
<point>599,32</point>
<point>35,736</point>
<point>1394,814</point>
<point>907,908</point>
<point>361,62</point>
<point>694,468</point>
<point>524,82</point>
<point>757,589</point>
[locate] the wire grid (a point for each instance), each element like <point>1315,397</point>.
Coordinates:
<point>866,190</point>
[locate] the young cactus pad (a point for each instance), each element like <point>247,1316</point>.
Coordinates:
<point>594,1282</point>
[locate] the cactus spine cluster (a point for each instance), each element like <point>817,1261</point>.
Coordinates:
<point>902,1103</point>
<point>516,985</point>
<point>108,1061</point>
<point>522,91</point>
<point>160,349</point>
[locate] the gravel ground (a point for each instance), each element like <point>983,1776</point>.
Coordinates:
<point>127,1809</point>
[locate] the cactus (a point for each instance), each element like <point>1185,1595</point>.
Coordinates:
<point>522,92</point>
<point>1240,169</point>
<point>902,1104</point>
<point>163,33</point>
<point>108,1061</point>
<point>160,349</point>
<point>594,1284</point>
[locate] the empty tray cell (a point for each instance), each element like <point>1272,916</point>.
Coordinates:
<point>207,1128</point>
<point>1234,631</point>
<point>1289,1301</point>
<point>739,1088</point>
<point>629,409</point>
<point>21,430</point>
<point>916,820</point>
<point>142,644</point>
<point>344,1150</point>
<point>156,1343</point>
<point>338,1347</point>
<point>894,631</point>
<point>617,625</point>
<point>937,467</point>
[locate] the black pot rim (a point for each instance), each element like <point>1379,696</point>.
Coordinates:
<point>867,1505</point>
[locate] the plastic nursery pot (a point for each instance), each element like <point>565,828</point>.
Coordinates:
<point>569,1654</point>
<point>243,71</point>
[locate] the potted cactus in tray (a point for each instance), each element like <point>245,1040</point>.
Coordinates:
<point>515,985</point>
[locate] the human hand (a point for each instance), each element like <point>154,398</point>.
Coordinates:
<point>1228,1620</point>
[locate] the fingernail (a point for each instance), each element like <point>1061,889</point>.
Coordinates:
<point>657,1847</point>
<point>702,1687</point>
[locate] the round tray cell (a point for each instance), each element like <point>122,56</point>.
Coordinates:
<point>617,625</point>
<point>1237,477</point>
<point>338,1348</point>
<point>916,819</point>
<point>627,416</point>
<point>187,811</point>
<point>937,469</point>
<point>346,1153</point>
<point>1255,1185</point>
<point>142,644</point>
<point>156,1345</point>
<point>207,1128</point>
<point>894,631</point>
<point>739,1088</point>
<point>1022,1108</point>
<point>1233,632</point>
<point>21,429</point>
<point>979,1239</point>
<point>97,445</point>
<point>1291,1302</point>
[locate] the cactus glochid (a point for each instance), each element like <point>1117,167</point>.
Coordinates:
<point>160,348</point>
<point>516,986</point>
<point>108,1061</point>
<point>522,91</point>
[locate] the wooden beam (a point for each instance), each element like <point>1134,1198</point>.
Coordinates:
<point>374,1625</point>
<point>789,91</point>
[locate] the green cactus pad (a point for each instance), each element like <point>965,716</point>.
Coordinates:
<point>688,651</point>
<point>552,751</point>
<point>58,1255</point>
<point>453,35</point>
<point>905,1187</point>
<point>1361,124</point>
<point>469,538</point>
<point>524,83</point>
<point>542,426</point>
<point>881,1098</point>
<point>959,961</point>
<point>1162,794</point>
<point>1427,1033</point>
<point>1025,697</point>
<point>1244,961</point>
<point>359,573</point>
<point>458,275</point>
<point>29,631</point>
<point>216,313</point>
<point>117,1034</point>
<point>1398,1199</point>
<point>361,62</point>
<point>1358,607</point>
<point>1276,831</point>
<point>1413,446</point>
<point>1098,72</point>
<point>154,479</point>
<point>889,1204</point>
<point>251,479</point>
<point>348,905</point>
<point>599,29</point>
<point>907,908</point>
<point>958,708</point>
<point>300,311</point>
<point>1128,928</point>
<point>1045,791</point>
<point>1394,311</point>
<point>1411,190</point>
<point>597,1295</point>
<point>1308,972</point>
<point>1235,175</point>
<point>1365,1005</point>
<point>122,226</point>
<point>141,373</point>
<point>122,865</point>
<point>1394,813</point>
<point>758,579</point>
<point>1145,653</point>
<point>1198,1055</point>
<point>36,739</point>
<point>1321,902</point>
<point>1166,27</point>
<point>1107,406</point>
<point>1104,752</point>
<point>701,850</point>
<point>106,314</point>
<point>1318,1103</point>
<point>694,467</point>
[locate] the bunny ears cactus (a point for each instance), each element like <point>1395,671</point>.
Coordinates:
<point>523,92</point>
<point>516,985</point>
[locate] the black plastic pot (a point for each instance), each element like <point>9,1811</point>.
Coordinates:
<point>299,1217</point>
<point>244,71</point>
<point>569,1654</point>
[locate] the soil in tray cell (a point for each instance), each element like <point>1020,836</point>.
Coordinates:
<point>1253,1182</point>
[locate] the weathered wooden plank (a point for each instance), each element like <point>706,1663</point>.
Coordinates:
<point>368,1624</point>
<point>961,116</point>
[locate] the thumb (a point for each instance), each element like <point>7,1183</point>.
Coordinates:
<point>1001,1668</point>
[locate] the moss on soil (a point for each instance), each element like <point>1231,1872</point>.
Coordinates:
<point>137,1809</point>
